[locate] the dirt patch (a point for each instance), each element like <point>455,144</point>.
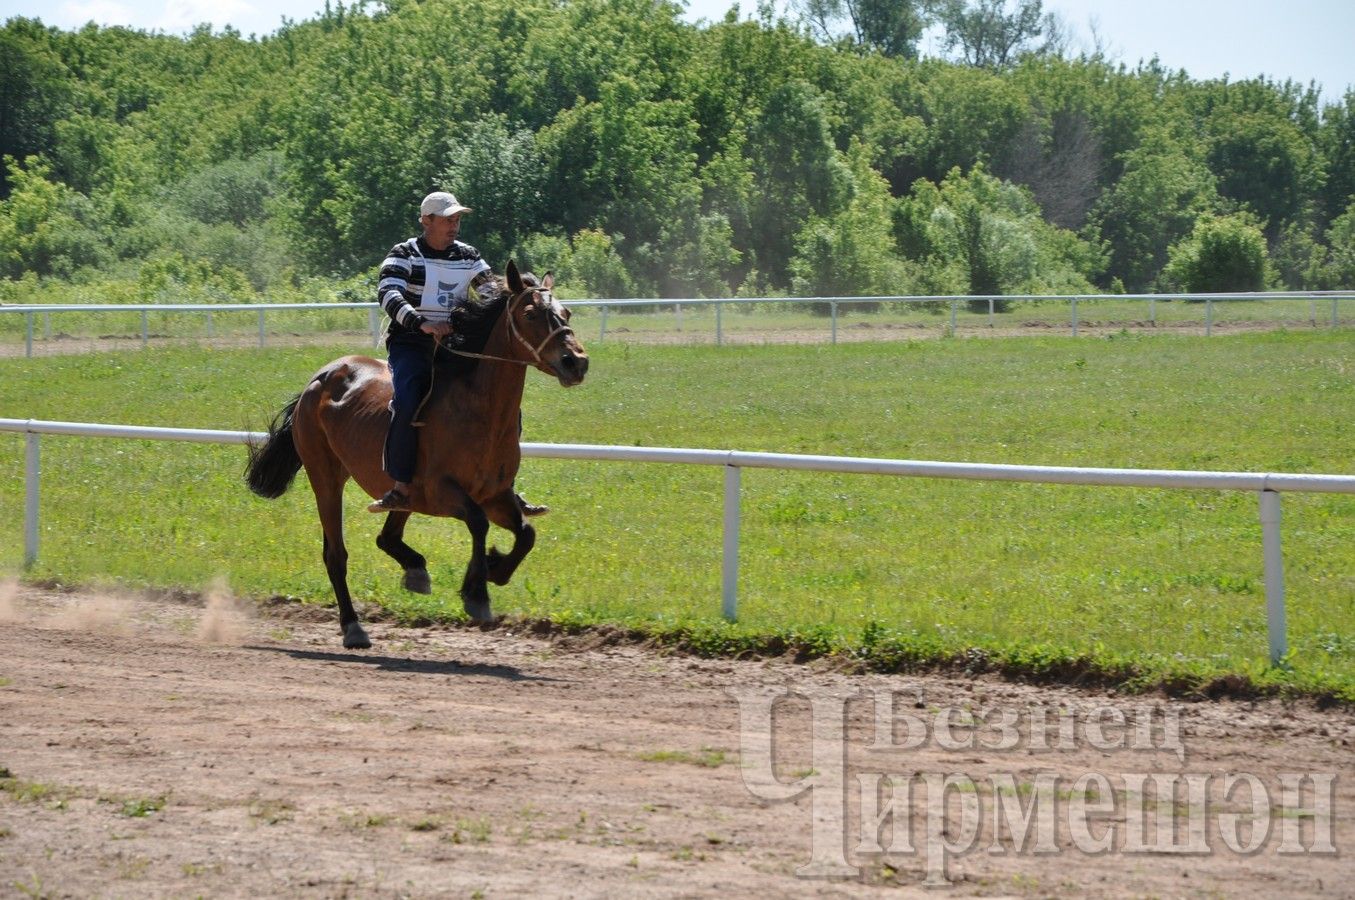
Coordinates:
<point>175,746</point>
<point>63,344</point>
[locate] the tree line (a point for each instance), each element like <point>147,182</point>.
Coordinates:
<point>639,155</point>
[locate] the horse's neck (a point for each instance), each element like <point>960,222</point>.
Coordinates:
<point>499,385</point>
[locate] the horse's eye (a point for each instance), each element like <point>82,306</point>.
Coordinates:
<point>530,313</point>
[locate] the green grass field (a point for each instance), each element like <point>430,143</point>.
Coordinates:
<point>1130,585</point>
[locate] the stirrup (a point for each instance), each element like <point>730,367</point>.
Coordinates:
<point>391,501</point>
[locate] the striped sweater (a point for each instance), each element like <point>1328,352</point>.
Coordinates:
<point>400,284</point>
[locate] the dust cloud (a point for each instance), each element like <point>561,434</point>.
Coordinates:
<point>224,619</point>
<point>9,591</point>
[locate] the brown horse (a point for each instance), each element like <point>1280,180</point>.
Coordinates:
<point>468,445</point>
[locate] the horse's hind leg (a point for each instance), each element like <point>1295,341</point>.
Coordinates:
<point>392,541</point>
<point>329,500</point>
<point>505,512</point>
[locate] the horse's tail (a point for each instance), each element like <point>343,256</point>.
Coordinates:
<point>274,463</point>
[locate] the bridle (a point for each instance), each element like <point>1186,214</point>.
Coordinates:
<point>555,319</point>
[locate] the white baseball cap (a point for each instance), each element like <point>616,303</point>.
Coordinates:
<point>441,203</point>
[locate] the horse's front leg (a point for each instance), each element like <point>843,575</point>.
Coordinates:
<point>505,512</point>
<point>474,592</point>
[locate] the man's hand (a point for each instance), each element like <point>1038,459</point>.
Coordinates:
<point>436,329</point>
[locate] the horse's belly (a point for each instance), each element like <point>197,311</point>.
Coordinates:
<point>483,468</point>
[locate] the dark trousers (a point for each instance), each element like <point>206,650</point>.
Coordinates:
<point>411,362</point>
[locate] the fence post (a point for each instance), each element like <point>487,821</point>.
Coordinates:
<point>1333,312</point>
<point>954,312</point>
<point>28,335</point>
<point>1152,311</point>
<point>261,328</point>
<point>990,312</point>
<point>833,305</point>
<point>375,325</point>
<point>32,462</point>
<point>677,315</point>
<point>1208,316</point>
<point>1074,317</point>
<point>719,324</point>
<point>730,566</point>
<point>602,333</point>
<point>1274,573</point>
<point>145,329</point>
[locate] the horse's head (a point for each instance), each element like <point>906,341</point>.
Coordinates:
<point>541,325</point>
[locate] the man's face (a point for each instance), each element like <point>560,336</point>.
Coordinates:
<point>441,230</point>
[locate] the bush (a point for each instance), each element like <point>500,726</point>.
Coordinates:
<point>1222,255</point>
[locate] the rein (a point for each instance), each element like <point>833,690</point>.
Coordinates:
<point>513,330</point>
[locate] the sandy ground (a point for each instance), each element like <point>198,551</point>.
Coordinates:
<point>160,746</point>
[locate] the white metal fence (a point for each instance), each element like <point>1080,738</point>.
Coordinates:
<point>34,312</point>
<point>1267,487</point>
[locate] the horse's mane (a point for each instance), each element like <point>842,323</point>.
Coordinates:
<point>473,322</point>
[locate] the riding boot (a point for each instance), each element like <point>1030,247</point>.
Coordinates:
<point>530,509</point>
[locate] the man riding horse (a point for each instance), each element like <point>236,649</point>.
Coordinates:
<point>421,282</point>
<point>469,450</point>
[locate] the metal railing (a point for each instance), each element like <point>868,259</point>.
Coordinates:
<point>1267,487</point>
<point>991,300</point>
<point>376,318</point>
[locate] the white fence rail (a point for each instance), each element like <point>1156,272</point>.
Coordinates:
<point>1267,487</point>
<point>375,317</point>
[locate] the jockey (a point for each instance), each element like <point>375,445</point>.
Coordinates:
<point>420,283</point>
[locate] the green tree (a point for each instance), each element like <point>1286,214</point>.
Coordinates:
<point>1297,258</point>
<point>1265,164</point>
<point>627,165</point>
<point>503,176</point>
<point>851,253</point>
<point>888,27</point>
<point>35,92</point>
<point>596,269</point>
<point>985,34</point>
<point>991,233</point>
<point>968,116</point>
<point>1222,254</point>
<point>234,192</point>
<point>1338,273</point>
<point>1337,144</point>
<point>798,172</point>
<point>1156,202</point>
<point>44,225</point>
<point>571,51</point>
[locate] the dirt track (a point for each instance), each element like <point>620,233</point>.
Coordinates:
<point>159,747</point>
<point>850,330</point>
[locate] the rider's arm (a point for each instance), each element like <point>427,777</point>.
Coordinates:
<point>393,283</point>
<point>483,285</point>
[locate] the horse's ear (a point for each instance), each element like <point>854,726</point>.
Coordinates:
<point>548,283</point>
<point>514,279</point>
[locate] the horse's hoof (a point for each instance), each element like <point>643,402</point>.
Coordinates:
<point>494,567</point>
<point>417,581</point>
<point>478,610</point>
<point>355,638</point>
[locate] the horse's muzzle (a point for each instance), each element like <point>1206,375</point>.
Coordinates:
<point>571,368</point>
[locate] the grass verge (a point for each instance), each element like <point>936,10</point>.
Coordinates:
<point>1103,585</point>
